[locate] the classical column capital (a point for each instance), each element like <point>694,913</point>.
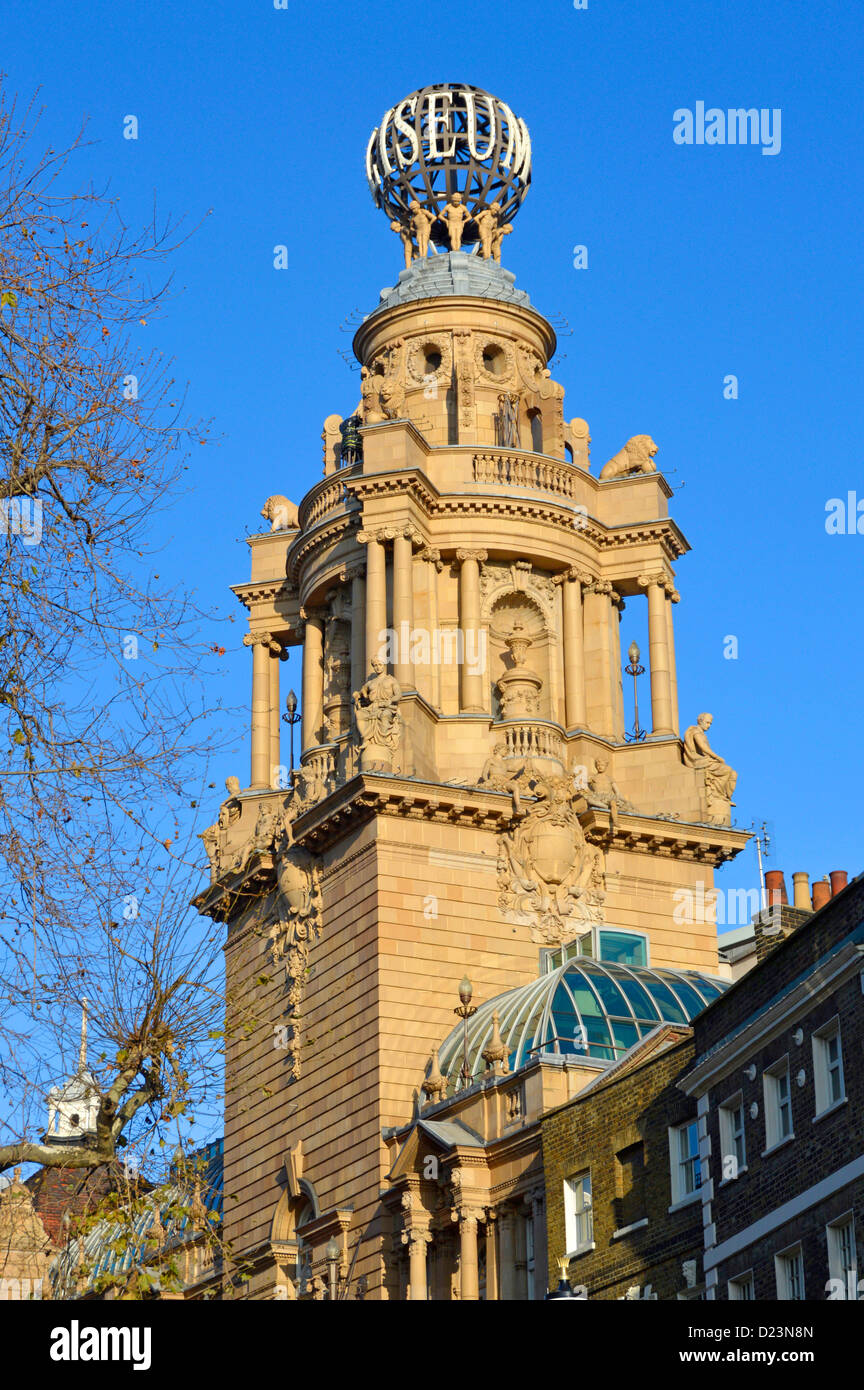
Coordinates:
<point>599,586</point>
<point>265,639</point>
<point>416,1235</point>
<point>366,537</point>
<point>646,580</point>
<point>467,1217</point>
<point>349,572</point>
<point>572,575</point>
<point>432,557</point>
<point>479,555</point>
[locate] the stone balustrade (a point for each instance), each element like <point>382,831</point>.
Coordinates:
<point>531,739</point>
<point>506,469</point>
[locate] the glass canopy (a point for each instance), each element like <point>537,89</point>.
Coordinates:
<point>585,1007</point>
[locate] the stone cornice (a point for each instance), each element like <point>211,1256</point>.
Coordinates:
<point>444,507</point>
<point>670,839</point>
<point>409,482</point>
<point>370,794</point>
<point>264,590</point>
<point>227,899</point>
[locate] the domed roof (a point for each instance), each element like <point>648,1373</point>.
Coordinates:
<point>586,1007</point>
<point>453,273</point>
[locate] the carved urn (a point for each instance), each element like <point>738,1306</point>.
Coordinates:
<point>519,688</point>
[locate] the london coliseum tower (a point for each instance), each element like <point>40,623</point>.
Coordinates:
<point>467,801</point>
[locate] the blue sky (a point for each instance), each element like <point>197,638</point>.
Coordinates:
<point>702,262</point>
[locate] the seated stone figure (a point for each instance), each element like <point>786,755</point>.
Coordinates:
<point>720,778</point>
<point>603,788</point>
<point>379,723</point>
<point>500,775</point>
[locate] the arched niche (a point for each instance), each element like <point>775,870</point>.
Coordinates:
<point>519,611</point>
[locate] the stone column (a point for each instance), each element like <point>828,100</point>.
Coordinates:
<point>403,608</point>
<point>492,1294</point>
<point>507,1255</point>
<point>541,1273</point>
<point>672,596</point>
<point>376,594</point>
<point>432,559</point>
<point>472,682</point>
<point>616,607</point>
<point>358,628</point>
<point>468,1272</point>
<point>313,681</point>
<point>261,643</point>
<point>574,648</point>
<point>598,661</point>
<point>276,656</point>
<point>416,1240</point>
<point>658,643</point>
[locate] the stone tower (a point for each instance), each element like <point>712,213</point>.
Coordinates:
<point>466,799</point>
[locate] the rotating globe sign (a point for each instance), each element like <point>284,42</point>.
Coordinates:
<point>449,165</point>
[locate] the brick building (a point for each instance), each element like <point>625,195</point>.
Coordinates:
<point>612,1212</point>
<point>779,1090</point>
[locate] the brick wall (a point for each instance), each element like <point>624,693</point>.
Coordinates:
<point>636,1107</point>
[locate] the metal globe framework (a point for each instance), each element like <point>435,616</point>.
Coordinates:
<point>449,139</point>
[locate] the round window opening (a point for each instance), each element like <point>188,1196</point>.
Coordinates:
<point>494,360</point>
<point>432,357</point>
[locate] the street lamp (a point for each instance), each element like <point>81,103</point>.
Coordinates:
<point>291,718</point>
<point>635,670</point>
<point>465,1011</point>
<point>332,1252</point>
<point>563,1289</point>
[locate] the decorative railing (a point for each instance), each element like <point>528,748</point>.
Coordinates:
<point>326,497</point>
<point>526,470</point>
<point>528,739</point>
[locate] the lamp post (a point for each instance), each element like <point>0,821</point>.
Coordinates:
<point>563,1289</point>
<point>332,1251</point>
<point>465,1011</point>
<point>291,718</point>
<point>635,670</point>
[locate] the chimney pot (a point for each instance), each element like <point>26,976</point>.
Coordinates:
<point>839,879</point>
<point>801,891</point>
<point>775,888</point>
<point>821,894</point>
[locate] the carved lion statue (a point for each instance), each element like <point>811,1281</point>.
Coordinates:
<point>637,456</point>
<point>281,513</point>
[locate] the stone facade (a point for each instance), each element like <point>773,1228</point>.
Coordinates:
<point>466,796</point>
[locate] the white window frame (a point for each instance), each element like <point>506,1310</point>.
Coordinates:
<point>578,1213</point>
<point>848,1275</point>
<point>772,1077</point>
<point>680,1193</point>
<point>730,1136</point>
<point>620,931</point>
<point>787,1264</point>
<point>823,1067</point>
<point>740,1282</point>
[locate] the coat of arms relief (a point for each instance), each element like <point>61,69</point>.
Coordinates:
<point>549,877</point>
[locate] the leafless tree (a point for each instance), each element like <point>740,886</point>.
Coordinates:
<point>105,721</point>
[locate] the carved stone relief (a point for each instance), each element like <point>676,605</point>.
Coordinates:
<point>549,877</point>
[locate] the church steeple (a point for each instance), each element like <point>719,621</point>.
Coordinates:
<point>73,1107</point>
